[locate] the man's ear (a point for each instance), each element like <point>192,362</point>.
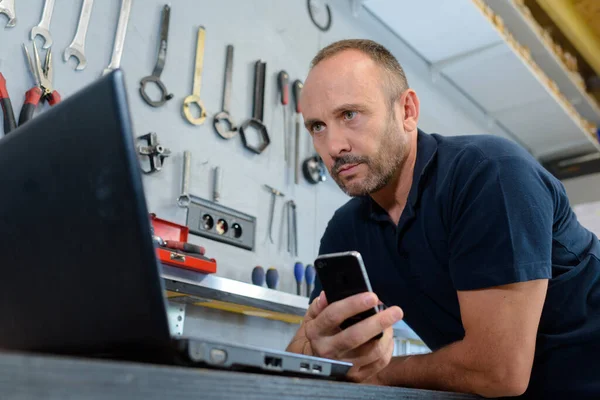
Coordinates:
<point>411,108</point>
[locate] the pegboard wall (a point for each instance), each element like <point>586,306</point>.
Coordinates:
<point>278,32</point>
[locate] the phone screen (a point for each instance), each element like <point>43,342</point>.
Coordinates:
<point>343,275</point>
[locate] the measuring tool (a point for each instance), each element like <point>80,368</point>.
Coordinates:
<point>194,98</point>
<point>224,116</point>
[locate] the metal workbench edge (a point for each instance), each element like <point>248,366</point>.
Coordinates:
<point>36,377</point>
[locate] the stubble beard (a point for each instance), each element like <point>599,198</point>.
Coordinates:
<point>381,168</point>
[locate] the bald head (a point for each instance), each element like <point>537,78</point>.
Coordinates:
<point>393,76</point>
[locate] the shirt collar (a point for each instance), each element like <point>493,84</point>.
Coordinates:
<point>426,151</point>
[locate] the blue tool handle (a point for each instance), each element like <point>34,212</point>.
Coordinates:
<point>272,278</point>
<point>309,275</point>
<point>299,275</point>
<point>258,276</point>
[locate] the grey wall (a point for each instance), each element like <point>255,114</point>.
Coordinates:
<point>583,189</point>
<point>277,31</point>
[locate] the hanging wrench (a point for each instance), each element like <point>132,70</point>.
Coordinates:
<point>194,98</point>
<point>224,116</point>
<point>115,60</point>
<point>77,47</point>
<point>184,200</point>
<point>43,28</point>
<point>7,7</point>
<point>160,64</point>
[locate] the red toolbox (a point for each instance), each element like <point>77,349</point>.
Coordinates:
<point>168,230</point>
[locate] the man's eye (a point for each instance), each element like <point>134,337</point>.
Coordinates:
<point>317,127</point>
<point>348,115</point>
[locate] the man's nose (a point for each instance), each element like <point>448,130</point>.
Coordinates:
<point>337,142</point>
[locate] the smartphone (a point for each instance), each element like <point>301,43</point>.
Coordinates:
<point>343,275</point>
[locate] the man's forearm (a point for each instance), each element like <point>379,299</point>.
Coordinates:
<point>452,368</point>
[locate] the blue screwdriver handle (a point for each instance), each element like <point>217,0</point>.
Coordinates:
<point>299,275</point>
<point>272,278</point>
<point>309,275</point>
<point>258,276</point>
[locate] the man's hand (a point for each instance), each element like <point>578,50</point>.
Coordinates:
<point>321,336</point>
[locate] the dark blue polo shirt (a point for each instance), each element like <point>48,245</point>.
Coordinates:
<point>482,212</point>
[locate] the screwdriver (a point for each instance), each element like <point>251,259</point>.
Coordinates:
<point>283,81</point>
<point>9,117</point>
<point>297,89</point>
<point>272,278</point>
<point>299,275</point>
<point>309,275</point>
<point>258,276</point>
<point>183,246</point>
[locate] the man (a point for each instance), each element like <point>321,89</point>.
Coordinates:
<point>468,238</point>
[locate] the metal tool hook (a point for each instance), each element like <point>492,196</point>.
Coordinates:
<point>325,27</point>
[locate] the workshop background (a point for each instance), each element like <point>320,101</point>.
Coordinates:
<point>281,33</point>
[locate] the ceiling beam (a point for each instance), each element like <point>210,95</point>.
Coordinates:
<point>571,23</point>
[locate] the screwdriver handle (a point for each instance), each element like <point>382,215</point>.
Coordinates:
<point>299,275</point>
<point>32,99</point>
<point>309,275</point>
<point>272,278</point>
<point>258,275</point>
<point>7,110</point>
<point>183,246</point>
<point>297,90</point>
<point>283,80</point>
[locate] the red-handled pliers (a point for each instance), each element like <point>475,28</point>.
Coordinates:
<point>43,91</point>
<point>7,110</point>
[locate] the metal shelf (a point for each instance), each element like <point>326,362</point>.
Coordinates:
<point>527,32</point>
<point>207,290</point>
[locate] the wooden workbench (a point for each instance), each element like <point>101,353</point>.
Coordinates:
<point>35,377</point>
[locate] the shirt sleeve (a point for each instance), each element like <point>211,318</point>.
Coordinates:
<point>501,222</point>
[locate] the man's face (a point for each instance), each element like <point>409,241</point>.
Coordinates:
<point>355,129</point>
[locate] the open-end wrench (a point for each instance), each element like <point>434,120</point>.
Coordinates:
<point>224,116</point>
<point>115,60</point>
<point>43,28</point>
<point>7,7</point>
<point>194,98</point>
<point>77,47</point>
<point>160,64</point>
<point>184,198</point>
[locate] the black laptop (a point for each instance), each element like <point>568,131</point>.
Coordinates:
<point>79,270</point>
